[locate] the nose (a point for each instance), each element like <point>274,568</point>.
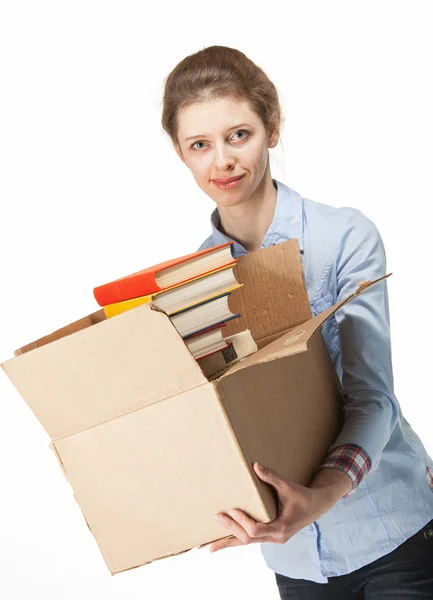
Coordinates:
<point>224,159</point>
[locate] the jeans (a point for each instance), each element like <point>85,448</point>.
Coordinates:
<point>403,574</point>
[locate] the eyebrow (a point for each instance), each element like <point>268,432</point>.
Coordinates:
<point>192,137</point>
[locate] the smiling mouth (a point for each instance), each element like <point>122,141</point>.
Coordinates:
<point>229,180</point>
<point>228,185</point>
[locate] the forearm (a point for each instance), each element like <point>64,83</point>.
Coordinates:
<point>334,484</point>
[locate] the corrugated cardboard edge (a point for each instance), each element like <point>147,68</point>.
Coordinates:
<point>74,327</point>
<point>312,326</point>
<point>62,466</point>
<point>52,445</point>
<point>267,355</point>
<point>170,555</point>
<point>246,461</point>
<point>77,326</point>
<point>297,338</point>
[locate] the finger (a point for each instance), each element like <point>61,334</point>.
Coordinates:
<point>233,541</point>
<point>233,527</point>
<point>253,528</point>
<point>225,543</point>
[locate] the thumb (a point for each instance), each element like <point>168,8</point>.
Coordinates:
<point>269,475</point>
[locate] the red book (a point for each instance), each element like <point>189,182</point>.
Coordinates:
<point>164,275</point>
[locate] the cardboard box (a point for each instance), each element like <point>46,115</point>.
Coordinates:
<point>151,448</point>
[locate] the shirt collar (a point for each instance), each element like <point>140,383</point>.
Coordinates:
<point>286,224</point>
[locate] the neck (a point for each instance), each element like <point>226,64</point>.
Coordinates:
<point>248,222</point>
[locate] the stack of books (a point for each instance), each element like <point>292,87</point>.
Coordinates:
<point>193,290</point>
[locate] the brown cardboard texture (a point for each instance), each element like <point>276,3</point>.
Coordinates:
<point>151,448</point>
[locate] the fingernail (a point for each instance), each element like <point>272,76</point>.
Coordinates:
<point>232,513</point>
<point>261,467</point>
<point>218,517</point>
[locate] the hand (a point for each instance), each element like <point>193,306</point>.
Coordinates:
<point>298,506</point>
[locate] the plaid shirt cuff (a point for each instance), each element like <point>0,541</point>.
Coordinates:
<point>352,460</point>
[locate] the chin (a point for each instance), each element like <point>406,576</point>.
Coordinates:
<point>228,199</point>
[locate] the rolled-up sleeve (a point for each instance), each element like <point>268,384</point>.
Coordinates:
<point>370,407</point>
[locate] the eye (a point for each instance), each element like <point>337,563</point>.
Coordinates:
<point>241,131</point>
<point>193,146</point>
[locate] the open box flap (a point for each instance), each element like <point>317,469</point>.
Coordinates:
<point>273,297</point>
<point>313,325</point>
<point>101,372</point>
<point>295,340</point>
<point>82,323</point>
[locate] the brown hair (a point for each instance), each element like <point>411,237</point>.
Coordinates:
<point>219,72</point>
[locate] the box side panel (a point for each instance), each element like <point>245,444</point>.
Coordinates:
<point>149,483</point>
<point>286,412</point>
<point>101,372</point>
<point>273,298</point>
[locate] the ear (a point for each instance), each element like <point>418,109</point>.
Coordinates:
<point>274,128</point>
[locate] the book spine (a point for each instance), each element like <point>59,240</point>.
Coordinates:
<point>144,283</point>
<point>111,310</point>
<point>125,289</point>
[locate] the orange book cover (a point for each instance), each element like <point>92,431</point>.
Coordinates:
<point>143,282</point>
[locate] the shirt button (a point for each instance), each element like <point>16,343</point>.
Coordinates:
<point>428,534</point>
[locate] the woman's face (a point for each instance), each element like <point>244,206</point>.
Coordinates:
<point>222,139</point>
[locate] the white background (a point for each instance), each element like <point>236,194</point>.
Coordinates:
<point>91,190</point>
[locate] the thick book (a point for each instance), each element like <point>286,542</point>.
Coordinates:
<point>227,351</point>
<point>241,344</point>
<point>206,343</point>
<point>164,275</point>
<point>203,316</point>
<point>183,295</point>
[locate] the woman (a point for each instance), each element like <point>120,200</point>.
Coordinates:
<point>363,528</point>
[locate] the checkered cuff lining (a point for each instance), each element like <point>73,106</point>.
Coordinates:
<point>352,460</point>
<point>429,475</point>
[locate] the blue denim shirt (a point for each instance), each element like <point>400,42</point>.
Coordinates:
<point>340,247</point>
